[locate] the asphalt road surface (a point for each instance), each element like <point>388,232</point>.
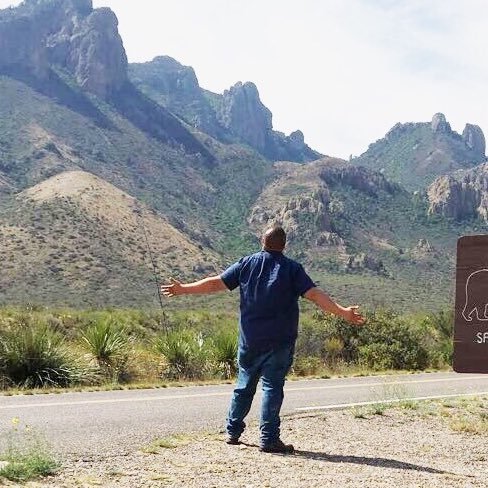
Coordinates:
<point>91,423</point>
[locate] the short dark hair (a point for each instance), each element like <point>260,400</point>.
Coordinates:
<point>274,238</point>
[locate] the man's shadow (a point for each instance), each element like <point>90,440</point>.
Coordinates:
<point>370,461</point>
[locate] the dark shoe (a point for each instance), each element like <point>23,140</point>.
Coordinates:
<point>278,447</point>
<point>233,441</point>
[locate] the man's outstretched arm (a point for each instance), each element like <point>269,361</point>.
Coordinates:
<point>207,285</point>
<point>323,301</point>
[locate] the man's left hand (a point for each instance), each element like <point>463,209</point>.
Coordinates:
<point>353,316</point>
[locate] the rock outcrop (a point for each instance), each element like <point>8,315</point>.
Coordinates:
<point>176,87</point>
<point>462,195</point>
<point>440,125</point>
<point>362,261</point>
<point>242,113</point>
<point>238,115</point>
<point>304,199</point>
<point>474,138</point>
<point>29,54</point>
<point>68,33</point>
<point>93,52</point>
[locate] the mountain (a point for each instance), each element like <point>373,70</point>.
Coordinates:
<point>416,153</point>
<point>75,232</point>
<point>237,115</point>
<point>96,154</point>
<point>360,234</point>
<point>42,40</point>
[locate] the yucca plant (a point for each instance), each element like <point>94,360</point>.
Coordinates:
<point>186,353</point>
<point>109,346</point>
<point>34,356</point>
<point>225,353</point>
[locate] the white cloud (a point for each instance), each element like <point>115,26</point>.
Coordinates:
<point>343,71</point>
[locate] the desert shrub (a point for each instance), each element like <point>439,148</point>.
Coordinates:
<point>329,338</point>
<point>225,352</point>
<point>438,330</point>
<point>109,346</point>
<point>34,355</point>
<point>390,341</point>
<point>187,354</point>
<point>333,349</point>
<point>307,366</point>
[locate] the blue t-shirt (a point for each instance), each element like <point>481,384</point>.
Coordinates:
<point>270,285</point>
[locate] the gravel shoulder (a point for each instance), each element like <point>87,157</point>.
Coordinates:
<point>427,444</point>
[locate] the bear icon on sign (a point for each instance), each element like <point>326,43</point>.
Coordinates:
<point>476,304</point>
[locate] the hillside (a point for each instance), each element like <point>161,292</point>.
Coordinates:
<point>75,238</point>
<point>416,153</point>
<point>362,236</point>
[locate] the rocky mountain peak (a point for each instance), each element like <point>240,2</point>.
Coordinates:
<point>68,33</point>
<point>243,114</point>
<point>416,153</point>
<point>96,55</point>
<point>236,116</point>
<point>439,124</point>
<point>172,77</point>
<point>474,138</point>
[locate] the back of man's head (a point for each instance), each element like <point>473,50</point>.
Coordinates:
<point>274,239</point>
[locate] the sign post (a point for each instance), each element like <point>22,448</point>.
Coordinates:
<point>471,314</point>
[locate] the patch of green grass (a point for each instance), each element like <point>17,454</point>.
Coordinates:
<point>27,455</point>
<point>366,411</point>
<point>170,442</point>
<point>28,466</point>
<point>471,424</point>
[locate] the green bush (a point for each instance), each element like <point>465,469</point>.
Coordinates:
<point>225,347</point>
<point>109,346</point>
<point>187,354</point>
<point>35,356</point>
<point>390,341</point>
<point>329,338</point>
<point>307,366</point>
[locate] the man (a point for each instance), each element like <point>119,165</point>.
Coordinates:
<point>270,285</point>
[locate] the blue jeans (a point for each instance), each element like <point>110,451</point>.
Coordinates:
<point>271,366</point>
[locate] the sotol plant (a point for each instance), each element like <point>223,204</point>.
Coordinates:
<point>225,352</point>
<point>109,346</point>
<point>34,356</point>
<point>186,353</point>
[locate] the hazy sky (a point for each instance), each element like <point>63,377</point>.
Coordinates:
<point>342,71</point>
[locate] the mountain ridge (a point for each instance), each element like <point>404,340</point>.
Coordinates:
<point>416,153</point>
<point>237,115</point>
<point>209,173</point>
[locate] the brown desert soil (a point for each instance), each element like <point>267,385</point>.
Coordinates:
<point>419,445</point>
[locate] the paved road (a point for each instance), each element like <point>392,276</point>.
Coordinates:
<point>87,424</point>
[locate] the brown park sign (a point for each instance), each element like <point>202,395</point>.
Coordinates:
<point>471,314</point>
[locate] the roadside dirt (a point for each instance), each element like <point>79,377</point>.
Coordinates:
<point>434,444</point>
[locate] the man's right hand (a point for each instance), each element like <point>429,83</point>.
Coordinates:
<point>173,289</point>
